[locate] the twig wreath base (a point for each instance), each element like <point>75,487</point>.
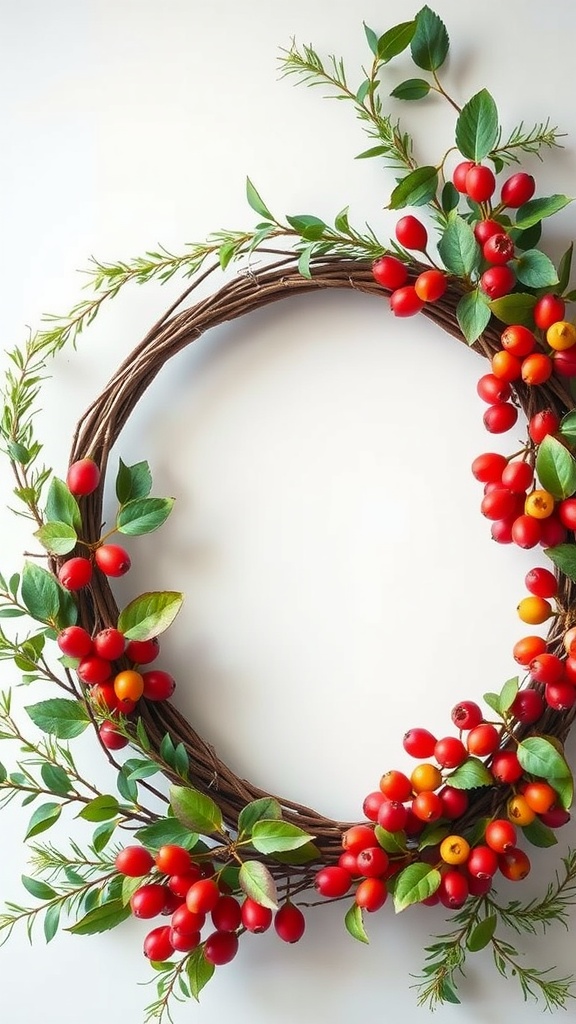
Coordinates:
<point>227,854</point>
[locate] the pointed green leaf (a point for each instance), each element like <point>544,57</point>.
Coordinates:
<point>304,262</point>
<point>52,921</point>
<point>57,538</point>
<point>415,883</point>
<point>372,39</point>
<point>568,427</point>
<point>149,614</point>
<point>429,46</point>
<point>195,810</point>
<point>473,315</point>
<point>101,808</point>
<point>61,505</point>
<point>477,127</point>
<point>482,934</point>
<point>538,834</point>
<point>256,881</point>
<point>392,842</point>
<point>256,201</point>
<point>133,481</point>
<point>564,558</point>
<point>458,248</point>
<point>102,835</point>
<point>341,222</point>
<point>527,239</point>
<point>535,270</point>
<point>55,779</point>
<point>59,717</point>
<point>101,919</point>
<point>271,836</point>
<point>40,592</point>
<point>311,228</point>
<point>303,855</point>
<point>40,890</point>
<point>508,694</point>
<point>198,971</point>
<point>143,515</point>
<point>539,757</point>
<point>363,90</point>
<point>514,309</point>
<point>538,209</point>
<point>470,774</point>
<point>167,831</point>
<point>556,468</point>
<point>565,268</point>
<point>42,819</point>
<point>267,807</point>
<point>416,189</point>
<point>395,40</point>
<point>411,89</point>
<point>373,151</point>
<point>450,197</point>
<point>354,922</point>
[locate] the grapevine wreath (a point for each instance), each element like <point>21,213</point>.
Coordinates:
<point>221,857</point>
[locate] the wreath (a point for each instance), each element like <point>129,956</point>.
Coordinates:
<point>221,857</point>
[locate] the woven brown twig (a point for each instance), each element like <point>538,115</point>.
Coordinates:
<point>102,423</point>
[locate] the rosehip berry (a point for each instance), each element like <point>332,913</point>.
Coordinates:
<point>180,884</point>
<point>546,668</point>
<point>540,796</point>
<point>184,942</point>
<point>348,861</point>
<point>453,890</point>
<point>405,301</point>
<point>109,643</point>
<point>517,189</point>
<point>411,233</point>
<point>142,652</point>
<point>499,503</point>
<point>396,785</point>
<point>75,573</point>
<point>534,610</point>
<point>430,285</point>
<point>527,706</point>
<point>103,696</point>
<point>482,862</point>
<point>555,817</point>
<point>255,917</point>
<point>112,560</point>
<point>425,777</point>
<point>498,249</point>
<point>484,229</point>
<point>560,696</point>
<point>564,363</point>
<point>148,901</point>
<point>333,881</point>
<point>83,477</point>
<point>454,802</point>
<point>518,476</point>
<point>528,648</point>
<point>172,859</point>
<point>74,642</point>
<point>390,272</point>
<point>498,281</point>
<point>220,948</point>
<point>226,915</point>
<point>506,366</point>
<point>157,945</point>
<point>371,894</point>
<point>111,737</point>
<point>93,669</point>
<point>427,806</point>
<point>548,309</point>
<point>483,740</point>
<point>518,340</point>
<point>372,862</point>
<point>203,896</point>
<point>499,418</point>
<point>158,685</point>
<point>392,815</point>
<point>357,838</point>
<point>488,468</point>
<point>450,752</point>
<point>371,805</point>
<point>134,861</point>
<point>514,864</point>
<point>419,743</point>
<point>454,850</point>
<point>567,513</point>
<point>543,423</point>
<point>466,715</point>
<point>289,923</point>
<point>505,767</point>
<point>480,183</point>
<point>501,531</point>
<point>537,368</point>
<point>527,531</point>
<point>500,835</point>
<point>459,174</point>
<point>492,389</point>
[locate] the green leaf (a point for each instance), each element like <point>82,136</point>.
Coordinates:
<point>273,836</point>
<point>17,452</point>
<point>133,481</point>
<point>167,831</point>
<point>59,717</point>
<point>101,919</point>
<point>61,506</point>
<point>226,253</point>
<point>430,42</point>
<point>372,39</point>
<point>416,189</point>
<point>450,197</point>
<point>538,209</point>
<point>392,842</point>
<point>373,151</point>
<point>40,592</point>
<point>538,834</point>
<point>40,890</point>
<point>304,262</point>
<point>198,971</point>
<point>415,883</point>
<point>564,558</point>
<point>125,786</point>
<point>432,835</point>
<point>527,239</point>
<point>267,807</point>
<point>102,835</point>
<point>568,427</point>
<point>141,769</point>
<point>303,855</point>
<point>354,922</point>
<point>341,222</point>
<point>395,40</point>
<point>411,89</point>
<point>195,810</point>
<point>149,614</point>
<point>565,789</point>
<point>508,694</point>
<point>471,774</point>
<point>256,201</point>
<point>3,773</point>
<point>311,228</point>
<point>363,90</point>
<point>52,921</point>
<point>67,609</point>
<point>57,538</point>
<point>556,468</point>
<point>473,315</point>
<point>458,248</point>
<point>565,268</point>
<point>143,515</point>
<point>55,779</point>
<point>101,808</point>
<point>477,127</point>
<point>539,757</point>
<point>42,819</point>
<point>256,881</point>
<point>448,994</point>
<point>482,934</point>
<point>514,309</point>
<point>535,270</point>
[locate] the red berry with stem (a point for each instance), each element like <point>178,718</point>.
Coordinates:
<point>484,229</point>
<point>172,859</point>
<point>289,923</point>
<point>75,573</point>
<point>158,685</point>
<point>390,272</point>
<point>480,183</point>
<point>505,767</point>
<point>112,560</point>
<point>109,643</point>
<point>419,743</point>
<point>142,652</point>
<point>482,862</point>
<point>497,281</point>
<point>459,174</point>
<point>411,233</point>
<point>157,945</point>
<point>518,340</point>
<point>492,389</point>
<point>498,249</point>
<point>517,189</point>
<point>111,736</point>
<point>220,948</point>
<point>148,901</point>
<point>518,476</point>
<point>405,301</point>
<point>466,715</point>
<point>332,881</point>
<point>549,309</point>
<point>527,706</point>
<point>93,669</point>
<point>514,864</point>
<point>541,424</point>
<point>430,285</point>
<point>392,815</point>
<point>255,917</point>
<point>134,861</point>
<point>396,785</point>
<point>449,752</point>
<point>371,894</point>
<point>82,477</point>
<point>372,862</point>
<point>527,531</point>
<point>500,835</point>
<point>488,467</point>
<point>226,915</point>
<point>75,642</point>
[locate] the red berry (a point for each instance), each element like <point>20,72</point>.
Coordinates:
<point>93,669</point>
<point>499,418</point>
<point>405,301</point>
<point>449,752</point>
<point>289,923</point>
<point>109,643</point>
<point>500,835</point>
<point>564,363</point>
<point>390,272</point>
<point>75,573</point>
<point>567,513</point>
<point>184,942</point>
<point>255,917</point>
<point>560,696</point>
<point>527,706</point>
<point>548,310</point>
<point>488,467</point>
<point>157,945</point>
<point>173,860</point>
<point>180,884</point>
<point>430,285</point>
<point>142,652</point>
<point>392,815</point>
<point>555,817</point>
<point>83,477</point>
<point>332,881</point>
<point>484,229</point>
<point>505,767</point>
<point>371,894</point>
<point>518,340</point>
<point>112,560</point>
<point>537,368</point>
<point>466,715</point>
<point>148,901</point>
<point>74,641</point>
<point>158,685</point>
<point>499,503</point>
<point>526,531</point>
<point>411,233</point>
<point>480,183</point>
<point>183,921</point>
<point>492,389</point>
<point>517,189</point>
<point>483,740</point>
<point>514,864</point>
<point>372,804</point>
<point>497,281</point>
<point>396,785</point>
<point>543,423</point>
<point>453,890</point>
<point>220,947</point>
<point>372,862</point>
<point>546,668</point>
<point>454,802</point>
<point>482,862</point>
<point>202,896</point>
<point>501,531</point>
<point>518,476</point>
<point>419,743</point>
<point>459,174</point>
<point>498,249</point>
<point>111,737</point>
<point>357,838</point>
<point>226,915</point>
<point>134,861</point>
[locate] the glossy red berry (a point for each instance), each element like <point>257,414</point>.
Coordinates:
<point>109,643</point>
<point>157,945</point>
<point>483,740</point>
<point>453,890</point>
<point>549,309</point>
<point>255,917</point>
<point>546,668</point>
<point>488,467</point>
<point>134,861</point>
<point>454,802</point>
<point>498,249</point>
<point>526,531</point>
<point>518,476</point>
<point>227,915</point>
<point>75,573</point>
<point>564,363</point>
<point>93,669</point>
<point>498,503</point>
<point>518,340</point>
<point>419,743</point>
<point>142,652</point>
<point>499,418</point>
<point>183,921</point>
<point>172,859</point>
<point>527,706</point>
<point>430,285</point>
<point>289,923</point>
<point>466,715</point>
<point>396,785</point>
<point>411,233</point>
<point>405,301</point>
<point>111,737</point>
<point>517,189</point>
<point>560,696</point>
<point>357,838</point>
<point>332,881</point>
<point>148,901</point>
<point>112,560</point>
<point>492,389</point>
<point>75,642</point>
<point>202,896</point>
<point>543,423</point>
<point>220,948</point>
<point>372,862</point>
<point>372,803</point>
<point>484,229</point>
<point>390,272</point>
<point>480,183</point>
<point>505,767</point>
<point>158,685</point>
<point>497,281</point>
<point>449,752</point>
<point>82,477</point>
<point>500,835</point>
<point>459,174</point>
<point>482,862</point>
<point>392,815</point>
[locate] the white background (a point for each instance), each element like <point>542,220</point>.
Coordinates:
<point>340,583</point>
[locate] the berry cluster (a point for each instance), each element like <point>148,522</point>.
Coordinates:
<point>197,899</point>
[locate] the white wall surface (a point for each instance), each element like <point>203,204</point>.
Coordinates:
<point>340,583</point>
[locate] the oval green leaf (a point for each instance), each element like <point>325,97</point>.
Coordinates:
<point>42,819</point>
<point>61,505</point>
<point>482,934</point>
<point>477,127</point>
<point>395,40</point>
<point>458,248</point>
<point>392,842</point>
<point>195,810</point>
<point>564,558</point>
<point>143,515</point>
<point>540,758</point>
<point>198,971</point>
<point>538,834</point>
<point>257,882</point>
<point>101,808</point>
<point>415,883</point>
<point>556,468</point>
<point>537,209</point>
<point>411,89</point>
<point>57,538</point>
<point>40,592</point>
<point>535,270</point>
<point>416,189</point>
<point>473,314</point>
<point>101,919</point>
<point>257,810</point>
<point>354,922</point>
<point>149,614</point>
<point>133,481</point>
<point>514,309</point>
<point>271,836</point>
<point>471,774</point>
<point>59,717</point>
<point>256,202</point>
<point>430,42</point>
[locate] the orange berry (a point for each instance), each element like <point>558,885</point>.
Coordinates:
<point>539,504</point>
<point>519,811</point>
<point>128,685</point>
<point>561,335</point>
<point>539,796</point>
<point>505,366</point>
<point>537,368</point>
<point>425,778</point>
<point>534,610</point>
<point>454,850</point>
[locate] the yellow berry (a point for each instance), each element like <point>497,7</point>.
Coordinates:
<point>454,850</point>
<point>561,335</point>
<point>534,610</point>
